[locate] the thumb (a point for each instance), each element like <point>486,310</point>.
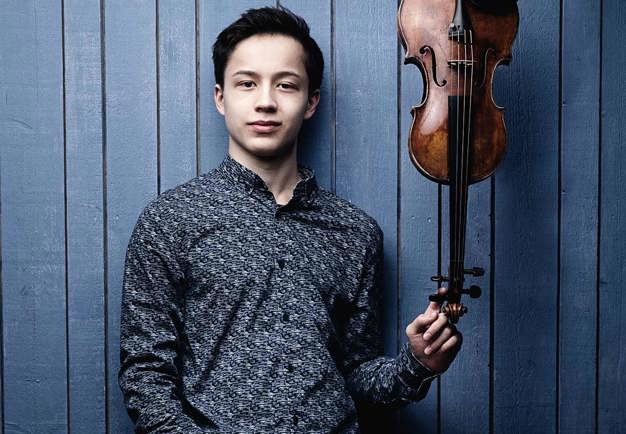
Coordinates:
<point>434,306</point>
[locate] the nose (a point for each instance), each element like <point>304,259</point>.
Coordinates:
<point>265,101</point>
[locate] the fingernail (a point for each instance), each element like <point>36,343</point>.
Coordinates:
<point>427,350</point>
<point>427,336</point>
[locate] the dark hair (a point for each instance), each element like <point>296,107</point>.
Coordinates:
<point>269,20</point>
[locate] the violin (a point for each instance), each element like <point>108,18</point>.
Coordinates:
<point>458,135</point>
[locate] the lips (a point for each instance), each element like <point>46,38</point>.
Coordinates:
<point>264,126</point>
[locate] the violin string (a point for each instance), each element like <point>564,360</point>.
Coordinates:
<point>459,164</point>
<point>452,56</point>
<point>464,153</point>
<point>469,127</point>
<point>455,215</point>
<point>451,53</point>
<point>459,178</point>
<point>461,171</point>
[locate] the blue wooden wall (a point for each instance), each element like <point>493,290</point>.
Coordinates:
<point>106,103</point>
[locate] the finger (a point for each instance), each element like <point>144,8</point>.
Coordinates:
<point>420,323</point>
<point>454,343</point>
<point>433,306</point>
<point>436,327</point>
<point>445,334</point>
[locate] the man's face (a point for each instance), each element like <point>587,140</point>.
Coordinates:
<point>265,95</point>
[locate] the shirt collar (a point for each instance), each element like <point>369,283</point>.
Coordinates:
<point>239,175</point>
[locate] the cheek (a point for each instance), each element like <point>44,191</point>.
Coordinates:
<point>296,110</point>
<point>232,108</point>
<point>233,118</point>
<point>236,103</point>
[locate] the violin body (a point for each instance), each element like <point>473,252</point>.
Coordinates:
<point>458,135</point>
<point>424,32</point>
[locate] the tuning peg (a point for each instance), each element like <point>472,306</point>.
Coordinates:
<point>476,271</point>
<point>437,298</point>
<point>439,278</point>
<point>474,291</point>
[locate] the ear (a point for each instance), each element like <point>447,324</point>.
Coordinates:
<point>311,106</point>
<point>218,96</point>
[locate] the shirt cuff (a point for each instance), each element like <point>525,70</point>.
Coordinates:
<point>412,372</point>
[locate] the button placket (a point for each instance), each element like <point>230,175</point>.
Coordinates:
<point>281,253</point>
<point>281,246</point>
<point>282,257</point>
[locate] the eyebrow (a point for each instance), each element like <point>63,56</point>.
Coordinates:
<point>278,74</point>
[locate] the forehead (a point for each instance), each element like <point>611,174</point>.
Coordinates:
<point>267,53</point>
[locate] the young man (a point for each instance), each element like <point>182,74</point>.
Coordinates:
<point>251,295</point>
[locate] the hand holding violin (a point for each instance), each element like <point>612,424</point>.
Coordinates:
<point>432,339</point>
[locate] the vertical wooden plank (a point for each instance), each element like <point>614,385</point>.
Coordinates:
<point>131,160</point>
<point>33,217</point>
<point>526,245</point>
<point>315,144</point>
<point>418,245</point>
<point>177,91</point>
<point>366,125</point>
<point>366,135</point>
<point>579,208</point>
<point>612,321</point>
<point>214,17</point>
<point>85,244</point>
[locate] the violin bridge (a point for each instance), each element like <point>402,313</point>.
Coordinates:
<point>455,63</point>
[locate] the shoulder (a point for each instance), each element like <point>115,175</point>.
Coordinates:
<point>353,216</point>
<point>179,204</point>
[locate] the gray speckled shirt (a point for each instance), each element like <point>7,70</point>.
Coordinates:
<point>240,315</point>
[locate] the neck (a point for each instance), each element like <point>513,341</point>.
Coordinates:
<point>280,173</point>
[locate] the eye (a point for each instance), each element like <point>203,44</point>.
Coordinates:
<point>287,86</point>
<point>247,84</point>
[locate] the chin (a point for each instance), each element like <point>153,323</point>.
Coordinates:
<point>269,151</point>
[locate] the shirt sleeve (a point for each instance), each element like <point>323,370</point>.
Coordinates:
<point>372,377</point>
<point>149,334</point>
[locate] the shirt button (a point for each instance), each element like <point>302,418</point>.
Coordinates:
<point>295,419</point>
<point>285,316</point>
<point>281,263</point>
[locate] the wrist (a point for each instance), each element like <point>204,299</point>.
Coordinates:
<point>421,366</point>
<point>431,371</point>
